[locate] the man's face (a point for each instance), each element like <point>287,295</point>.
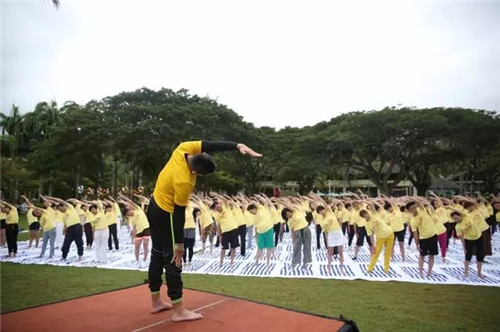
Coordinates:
<point>253,211</point>
<point>413,210</point>
<point>218,207</point>
<point>456,218</point>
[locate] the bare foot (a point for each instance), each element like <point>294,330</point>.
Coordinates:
<point>481,276</point>
<point>421,274</point>
<point>186,315</point>
<point>162,306</point>
<point>465,275</point>
<point>330,270</point>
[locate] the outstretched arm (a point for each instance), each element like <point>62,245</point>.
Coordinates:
<point>214,146</point>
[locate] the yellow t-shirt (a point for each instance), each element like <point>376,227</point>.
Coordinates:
<point>89,216</point>
<point>424,224</point>
<point>396,220</point>
<point>318,218</point>
<point>250,218</point>
<point>275,215</point>
<point>239,216</point>
<point>497,216</point>
<point>99,221</point>
<point>263,219</point>
<point>78,208</point>
<point>189,223</point>
<point>2,216</point>
<point>176,182</point>
<point>478,217</point>
<point>59,216</point>
<point>110,217</point>
<point>71,216</point>
<point>440,216</point>
<point>205,217</point>
<point>30,217</point>
<point>297,221</point>
<point>139,220</point>
<point>225,219</point>
<point>379,227</point>
<point>47,220</point>
<point>116,209</point>
<point>12,217</point>
<point>330,222</point>
<point>358,220</point>
<point>469,228</point>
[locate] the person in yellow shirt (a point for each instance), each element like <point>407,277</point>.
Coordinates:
<point>207,225</point>
<point>48,224</point>
<point>468,228</point>
<point>396,222</point>
<point>264,230</point>
<point>385,239</point>
<point>301,234</point>
<point>166,216</point>
<point>73,230</point>
<point>137,218</point>
<point>192,215</point>
<point>33,223</point>
<point>242,225</point>
<point>441,218</point>
<point>12,228</point>
<point>111,218</point>
<point>335,239</point>
<point>101,230</point>
<point>425,234</point>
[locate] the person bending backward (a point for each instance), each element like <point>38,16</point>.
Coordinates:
<point>385,239</point>
<point>33,223</point>
<point>12,228</point>
<point>166,216</point>
<point>425,234</point>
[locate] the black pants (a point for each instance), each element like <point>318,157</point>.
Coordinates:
<point>161,226</point>
<point>11,231</point>
<point>242,232</point>
<point>112,234</point>
<point>351,234</point>
<point>188,249</point>
<point>89,236</point>
<point>319,231</point>
<point>277,230</point>
<point>73,233</point>
<point>411,237</point>
<point>450,229</point>
<point>474,247</point>
<point>344,227</point>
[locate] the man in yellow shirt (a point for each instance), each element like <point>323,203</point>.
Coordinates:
<point>385,239</point>
<point>166,216</point>
<point>73,230</point>
<point>12,228</point>
<point>425,234</point>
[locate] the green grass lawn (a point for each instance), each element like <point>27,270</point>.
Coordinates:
<point>375,306</point>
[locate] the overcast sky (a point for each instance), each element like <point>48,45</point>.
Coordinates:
<point>276,63</point>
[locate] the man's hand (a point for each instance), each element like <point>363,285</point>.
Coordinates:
<point>178,254</point>
<point>245,150</point>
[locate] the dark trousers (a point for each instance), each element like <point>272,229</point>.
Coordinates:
<point>11,232</point>
<point>73,233</point>
<point>450,230</point>
<point>411,237</point>
<point>474,247</point>
<point>89,236</point>
<point>161,226</point>
<point>277,230</point>
<point>242,232</point>
<point>319,231</point>
<point>351,234</point>
<point>344,227</point>
<point>112,235</point>
<point>188,249</point>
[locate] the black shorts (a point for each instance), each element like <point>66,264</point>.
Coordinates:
<point>400,235</point>
<point>429,246</point>
<point>230,238</point>
<point>3,224</point>
<point>145,232</point>
<point>35,226</point>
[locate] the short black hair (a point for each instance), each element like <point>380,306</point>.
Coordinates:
<point>320,208</point>
<point>251,207</point>
<point>61,205</point>
<point>387,206</point>
<point>203,163</point>
<point>455,213</point>
<point>213,205</point>
<point>409,205</point>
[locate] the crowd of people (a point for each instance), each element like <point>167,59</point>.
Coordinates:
<point>242,222</point>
